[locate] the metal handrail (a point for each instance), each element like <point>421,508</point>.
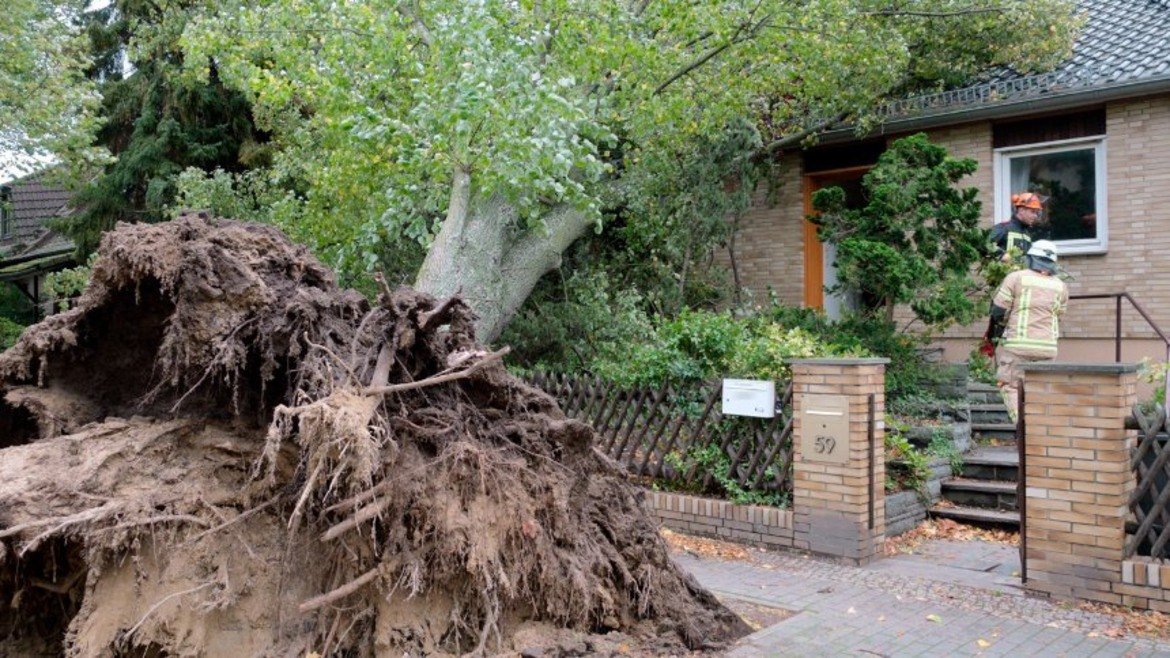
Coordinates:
<point>1118,296</point>
<point>1117,323</point>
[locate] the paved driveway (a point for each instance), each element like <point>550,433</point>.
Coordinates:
<point>949,599</point>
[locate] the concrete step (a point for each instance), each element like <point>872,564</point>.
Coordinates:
<point>997,431</point>
<point>989,412</point>
<point>985,494</point>
<point>977,515</point>
<point>1000,463</point>
<point>993,427</point>
<point>978,393</point>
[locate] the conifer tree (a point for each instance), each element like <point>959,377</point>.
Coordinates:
<point>157,123</point>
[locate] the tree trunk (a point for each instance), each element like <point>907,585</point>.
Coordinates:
<point>482,254</point>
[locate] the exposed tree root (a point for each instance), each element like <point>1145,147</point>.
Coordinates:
<point>273,466</point>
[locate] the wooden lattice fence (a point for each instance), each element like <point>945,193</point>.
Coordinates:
<point>1149,528</point>
<point>678,435</point>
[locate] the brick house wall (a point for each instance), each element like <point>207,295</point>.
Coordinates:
<point>770,250</point>
<point>769,246</point>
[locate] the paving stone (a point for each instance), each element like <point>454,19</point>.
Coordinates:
<point>846,610</point>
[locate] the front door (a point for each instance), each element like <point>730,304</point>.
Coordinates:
<point>820,271</point>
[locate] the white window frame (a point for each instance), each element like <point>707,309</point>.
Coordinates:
<point>1002,172</point>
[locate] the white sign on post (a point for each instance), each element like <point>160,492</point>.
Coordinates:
<point>749,397</point>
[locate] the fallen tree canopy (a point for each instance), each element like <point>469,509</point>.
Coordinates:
<point>219,452</point>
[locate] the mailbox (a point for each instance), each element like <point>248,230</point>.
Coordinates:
<point>824,429</point>
<point>749,397</point>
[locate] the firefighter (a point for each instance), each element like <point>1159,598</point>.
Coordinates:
<point>1018,232</point>
<point>1026,313</point>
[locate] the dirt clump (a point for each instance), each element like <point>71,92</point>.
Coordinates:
<point>220,452</point>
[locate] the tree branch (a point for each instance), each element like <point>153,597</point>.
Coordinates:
<point>411,14</point>
<point>935,14</point>
<point>785,142</point>
<point>711,54</point>
<point>745,32</point>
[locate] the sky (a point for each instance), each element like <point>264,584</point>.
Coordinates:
<point>14,165</point>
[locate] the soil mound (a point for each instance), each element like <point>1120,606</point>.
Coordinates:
<point>220,452</point>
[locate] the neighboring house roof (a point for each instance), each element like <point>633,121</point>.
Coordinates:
<point>33,202</point>
<point>1123,51</point>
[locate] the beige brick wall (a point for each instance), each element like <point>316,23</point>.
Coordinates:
<point>1078,481</point>
<point>769,247</point>
<point>754,525</point>
<point>831,502</point>
<point>1138,261</point>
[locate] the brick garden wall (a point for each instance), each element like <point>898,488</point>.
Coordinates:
<point>838,500</point>
<point>1079,483</point>
<point>754,525</point>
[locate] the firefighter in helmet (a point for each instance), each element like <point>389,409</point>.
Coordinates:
<point>1018,232</point>
<point>1026,313</point>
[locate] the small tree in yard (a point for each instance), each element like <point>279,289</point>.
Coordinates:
<point>916,239</point>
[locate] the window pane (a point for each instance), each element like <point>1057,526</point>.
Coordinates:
<point>1069,180</point>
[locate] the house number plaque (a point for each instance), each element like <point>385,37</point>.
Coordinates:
<point>824,433</point>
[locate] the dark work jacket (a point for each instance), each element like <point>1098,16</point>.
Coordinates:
<point>1012,234</point>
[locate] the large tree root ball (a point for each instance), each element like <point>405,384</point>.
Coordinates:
<point>219,452</point>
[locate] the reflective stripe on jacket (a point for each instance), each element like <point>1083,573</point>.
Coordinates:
<point>1034,303</point>
<point>1012,234</point>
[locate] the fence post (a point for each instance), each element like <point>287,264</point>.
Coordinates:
<point>1078,478</point>
<point>839,472</point>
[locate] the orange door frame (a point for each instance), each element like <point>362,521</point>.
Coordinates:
<point>814,249</point>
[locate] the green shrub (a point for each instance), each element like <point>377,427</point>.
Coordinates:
<point>862,335</point>
<point>64,285</point>
<point>907,468</point>
<point>1154,372</point>
<point>981,368</point>
<point>704,345</point>
<point>568,333</point>
<point>942,445</point>
<point>15,306</point>
<point>9,332</point>
<point>709,459</point>
<point>924,407</point>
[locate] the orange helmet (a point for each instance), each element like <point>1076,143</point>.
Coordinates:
<point>1028,200</point>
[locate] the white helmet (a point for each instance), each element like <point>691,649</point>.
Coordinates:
<point>1045,249</point>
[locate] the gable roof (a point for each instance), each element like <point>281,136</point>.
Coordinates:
<point>1123,51</point>
<point>33,202</point>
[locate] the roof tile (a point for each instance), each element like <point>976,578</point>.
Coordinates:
<point>1123,41</point>
<point>33,203</point>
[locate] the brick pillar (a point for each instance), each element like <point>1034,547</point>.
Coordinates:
<point>835,486</point>
<point>1078,476</point>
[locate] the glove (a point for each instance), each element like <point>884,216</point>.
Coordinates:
<point>987,347</point>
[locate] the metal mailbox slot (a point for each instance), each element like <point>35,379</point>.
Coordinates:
<point>824,434</point>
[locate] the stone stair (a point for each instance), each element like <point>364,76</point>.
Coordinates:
<point>985,491</point>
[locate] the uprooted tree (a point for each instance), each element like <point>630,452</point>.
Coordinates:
<point>220,452</point>
<point>495,134</point>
